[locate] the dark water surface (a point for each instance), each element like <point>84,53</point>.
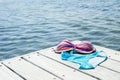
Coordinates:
<point>30,25</point>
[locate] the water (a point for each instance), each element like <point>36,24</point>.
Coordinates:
<point>30,25</point>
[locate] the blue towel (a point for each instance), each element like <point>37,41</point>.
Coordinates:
<point>86,61</point>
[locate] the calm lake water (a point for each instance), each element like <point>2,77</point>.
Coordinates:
<point>30,25</point>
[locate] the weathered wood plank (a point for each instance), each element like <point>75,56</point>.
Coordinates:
<point>112,65</point>
<point>104,74</point>
<point>96,72</point>
<point>59,69</point>
<point>111,53</point>
<point>6,74</point>
<point>28,70</point>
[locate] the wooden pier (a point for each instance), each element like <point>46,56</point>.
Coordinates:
<point>47,65</point>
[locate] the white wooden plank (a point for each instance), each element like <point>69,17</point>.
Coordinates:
<point>59,69</point>
<point>6,74</point>
<point>104,74</point>
<point>111,53</point>
<point>28,70</point>
<point>112,65</point>
<point>96,72</point>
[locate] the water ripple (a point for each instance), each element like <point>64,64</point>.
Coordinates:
<point>30,25</point>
